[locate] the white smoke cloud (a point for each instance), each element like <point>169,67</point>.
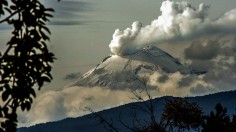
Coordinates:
<point>179,20</point>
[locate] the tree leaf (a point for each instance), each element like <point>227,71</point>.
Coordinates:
<point>5,95</point>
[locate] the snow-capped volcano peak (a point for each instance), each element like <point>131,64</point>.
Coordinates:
<point>116,71</point>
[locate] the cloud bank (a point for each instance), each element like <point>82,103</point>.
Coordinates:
<point>217,55</point>
<point>70,102</point>
<point>178,20</point>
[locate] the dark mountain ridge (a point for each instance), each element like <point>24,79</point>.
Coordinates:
<point>88,124</point>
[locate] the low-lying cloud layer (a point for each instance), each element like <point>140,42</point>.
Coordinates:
<point>178,21</point>
<point>70,102</point>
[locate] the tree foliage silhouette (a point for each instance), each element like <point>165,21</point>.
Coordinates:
<point>218,121</point>
<point>141,125</point>
<point>178,115</point>
<point>233,123</point>
<point>181,114</point>
<point>26,62</point>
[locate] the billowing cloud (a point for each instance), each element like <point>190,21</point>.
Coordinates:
<point>202,50</point>
<point>216,55</point>
<point>179,20</point>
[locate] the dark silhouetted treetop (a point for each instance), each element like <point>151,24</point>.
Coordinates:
<point>218,121</point>
<point>26,62</point>
<point>180,114</point>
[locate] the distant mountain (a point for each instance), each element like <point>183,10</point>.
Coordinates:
<point>115,71</point>
<point>88,124</point>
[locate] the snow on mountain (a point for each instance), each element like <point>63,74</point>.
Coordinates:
<point>116,71</point>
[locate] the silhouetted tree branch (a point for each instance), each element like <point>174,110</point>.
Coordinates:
<point>149,105</point>
<point>26,62</point>
<point>178,115</point>
<point>181,114</point>
<point>108,125</point>
<point>218,120</point>
<point>142,94</point>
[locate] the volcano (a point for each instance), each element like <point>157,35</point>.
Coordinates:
<point>127,71</point>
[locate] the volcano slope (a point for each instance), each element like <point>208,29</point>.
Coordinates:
<point>126,71</point>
